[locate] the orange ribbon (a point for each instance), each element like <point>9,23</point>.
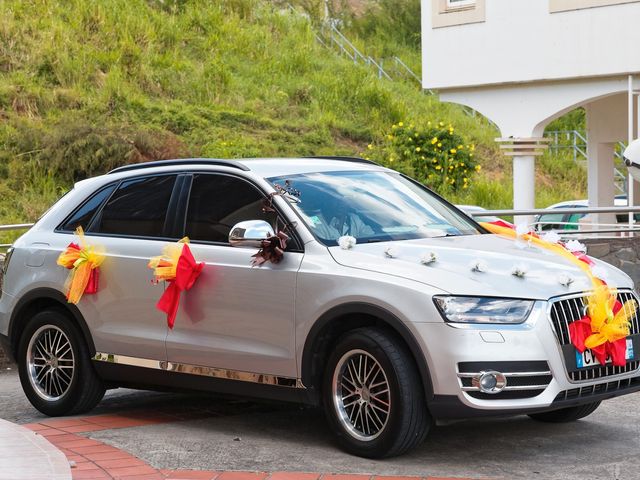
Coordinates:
<point>606,326</point>
<point>84,261</point>
<point>178,267</point>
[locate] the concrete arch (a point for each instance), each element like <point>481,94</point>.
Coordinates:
<point>523,110</point>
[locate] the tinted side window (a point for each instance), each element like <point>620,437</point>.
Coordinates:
<point>83,215</point>
<point>218,202</point>
<point>137,208</point>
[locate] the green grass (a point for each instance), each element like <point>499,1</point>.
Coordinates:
<point>87,86</point>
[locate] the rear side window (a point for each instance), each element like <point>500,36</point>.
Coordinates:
<point>218,202</point>
<point>83,215</point>
<point>137,208</point>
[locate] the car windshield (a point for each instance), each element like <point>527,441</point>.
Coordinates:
<point>372,206</point>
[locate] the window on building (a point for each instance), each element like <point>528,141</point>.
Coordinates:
<point>449,13</point>
<point>454,4</point>
<point>138,208</point>
<point>218,202</point>
<point>567,5</point>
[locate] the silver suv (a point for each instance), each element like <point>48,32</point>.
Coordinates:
<point>387,305</point>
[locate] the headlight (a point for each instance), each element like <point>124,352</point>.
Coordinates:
<point>483,309</point>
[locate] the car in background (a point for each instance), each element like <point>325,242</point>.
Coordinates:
<point>570,221</point>
<point>472,209</point>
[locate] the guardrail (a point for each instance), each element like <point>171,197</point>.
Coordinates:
<point>8,228</point>
<point>583,229</point>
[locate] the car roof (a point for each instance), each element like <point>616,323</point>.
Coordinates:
<point>585,203</point>
<point>264,167</point>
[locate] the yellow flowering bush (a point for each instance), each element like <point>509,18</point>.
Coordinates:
<point>435,154</point>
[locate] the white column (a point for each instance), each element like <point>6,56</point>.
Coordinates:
<point>600,187</point>
<point>524,182</point>
<point>523,151</point>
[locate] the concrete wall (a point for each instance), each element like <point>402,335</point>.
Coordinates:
<point>523,41</point>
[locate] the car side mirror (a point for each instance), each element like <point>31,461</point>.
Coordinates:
<point>250,233</point>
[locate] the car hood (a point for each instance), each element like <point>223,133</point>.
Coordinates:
<point>452,271</point>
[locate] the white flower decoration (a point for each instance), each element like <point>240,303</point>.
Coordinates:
<point>347,242</point>
<point>575,246</point>
<point>519,270</point>
<point>390,252</point>
<point>551,237</point>
<point>522,229</point>
<point>479,266</point>
<point>565,280</point>
<point>428,258</point>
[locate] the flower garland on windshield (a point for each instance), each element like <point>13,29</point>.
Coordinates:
<point>606,324</point>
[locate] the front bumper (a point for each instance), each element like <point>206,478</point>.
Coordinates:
<point>530,352</point>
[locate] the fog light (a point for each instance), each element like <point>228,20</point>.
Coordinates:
<point>489,381</point>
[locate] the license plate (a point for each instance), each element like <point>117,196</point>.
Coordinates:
<point>588,359</point>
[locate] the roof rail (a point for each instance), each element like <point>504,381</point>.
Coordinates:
<point>345,159</point>
<point>181,161</point>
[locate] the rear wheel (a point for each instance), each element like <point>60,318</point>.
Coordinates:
<point>565,415</point>
<point>373,395</point>
<point>55,368</point>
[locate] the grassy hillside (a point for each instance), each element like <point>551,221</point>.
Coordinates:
<point>87,86</point>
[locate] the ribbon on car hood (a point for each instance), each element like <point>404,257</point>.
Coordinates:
<point>606,325</point>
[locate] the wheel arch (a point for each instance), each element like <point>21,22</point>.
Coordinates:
<point>346,317</point>
<point>37,300</point>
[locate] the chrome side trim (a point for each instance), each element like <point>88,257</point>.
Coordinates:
<point>510,374</point>
<point>200,370</point>
<point>508,389</point>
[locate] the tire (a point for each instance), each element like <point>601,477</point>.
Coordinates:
<point>564,415</point>
<point>388,415</point>
<point>55,366</point>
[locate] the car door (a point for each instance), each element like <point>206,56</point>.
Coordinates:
<point>132,227</point>
<point>236,318</point>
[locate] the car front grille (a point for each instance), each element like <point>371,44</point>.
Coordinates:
<point>566,311</point>
<point>619,386</point>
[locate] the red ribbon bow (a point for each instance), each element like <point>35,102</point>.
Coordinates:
<point>187,272</point>
<point>580,330</point>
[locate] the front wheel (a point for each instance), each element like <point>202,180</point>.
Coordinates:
<point>373,395</point>
<point>564,415</point>
<point>55,366</point>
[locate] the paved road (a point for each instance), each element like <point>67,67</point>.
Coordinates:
<point>245,435</point>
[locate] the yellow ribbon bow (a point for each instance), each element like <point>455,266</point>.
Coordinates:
<point>607,326</point>
<point>82,260</point>
<point>164,266</point>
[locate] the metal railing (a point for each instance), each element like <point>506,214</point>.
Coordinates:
<point>585,229</point>
<point>8,228</point>
<point>576,142</point>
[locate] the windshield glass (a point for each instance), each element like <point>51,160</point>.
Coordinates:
<point>372,206</point>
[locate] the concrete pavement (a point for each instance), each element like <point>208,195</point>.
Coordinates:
<point>214,434</point>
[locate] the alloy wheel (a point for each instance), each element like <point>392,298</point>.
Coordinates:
<point>361,395</point>
<point>51,362</point>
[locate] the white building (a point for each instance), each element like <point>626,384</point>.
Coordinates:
<point>523,63</point>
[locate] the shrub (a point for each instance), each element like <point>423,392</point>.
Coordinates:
<point>435,155</point>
